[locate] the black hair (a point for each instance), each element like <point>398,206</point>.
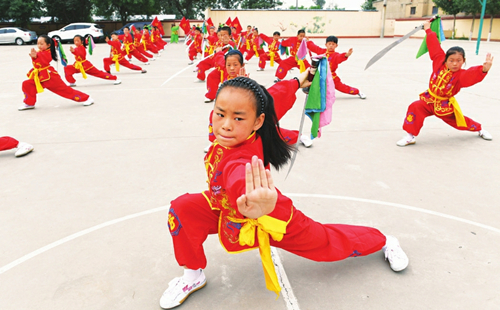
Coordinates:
<point>454,50</point>
<point>249,26</point>
<point>256,29</point>
<point>333,39</point>
<point>114,33</point>
<point>52,44</point>
<point>276,33</point>
<point>81,39</point>
<point>126,27</point>
<point>197,28</point>
<point>226,28</point>
<point>301,31</point>
<point>276,151</point>
<point>234,52</point>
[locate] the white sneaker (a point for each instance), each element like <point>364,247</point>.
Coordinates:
<point>485,135</point>
<point>361,95</point>
<point>72,84</point>
<point>208,100</point>
<point>199,81</point>
<point>394,254</point>
<point>409,139</point>
<point>147,63</point>
<point>260,69</point>
<point>88,102</point>
<point>117,82</point>
<point>306,140</point>
<point>26,107</point>
<point>179,290</point>
<point>152,59</point>
<point>190,63</point>
<point>23,148</point>
<point>277,80</point>
<point>207,148</point>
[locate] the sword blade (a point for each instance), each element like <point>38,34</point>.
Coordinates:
<point>294,156</point>
<point>388,48</point>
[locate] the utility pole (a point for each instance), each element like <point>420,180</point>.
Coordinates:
<point>383,19</point>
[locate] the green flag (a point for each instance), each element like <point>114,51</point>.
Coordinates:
<point>437,28</point>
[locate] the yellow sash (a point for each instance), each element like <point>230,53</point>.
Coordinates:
<point>271,55</point>
<point>266,226</point>
<point>144,44</point>
<point>248,44</point>
<point>301,64</point>
<point>127,48</point>
<point>34,76</point>
<point>79,66</point>
<point>255,50</point>
<point>459,116</point>
<point>116,59</point>
<point>221,76</point>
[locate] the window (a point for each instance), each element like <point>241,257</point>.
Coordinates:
<point>412,10</point>
<point>434,10</point>
<point>70,28</point>
<point>11,31</point>
<point>2,31</point>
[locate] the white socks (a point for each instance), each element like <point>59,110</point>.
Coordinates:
<point>191,275</point>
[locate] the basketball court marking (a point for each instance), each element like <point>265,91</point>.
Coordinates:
<point>287,292</point>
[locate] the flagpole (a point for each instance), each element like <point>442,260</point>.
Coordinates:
<point>483,2</point>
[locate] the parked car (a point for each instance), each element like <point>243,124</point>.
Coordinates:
<point>17,35</point>
<point>138,25</point>
<point>67,33</point>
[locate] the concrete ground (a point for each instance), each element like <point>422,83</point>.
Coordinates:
<point>83,218</point>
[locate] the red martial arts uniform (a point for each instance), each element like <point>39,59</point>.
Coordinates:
<point>8,143</point>
<point>273,55</point>
<point>118,58</point>
<point>195,47</point>
<point>334,59</point>
<point>140,47</point>
<point>439,99</point>
<point>255,48</point>
<point>147,44</point>
<point>131,50</point>
<point>245,46</point>
<point>43,75</point>
<point>192,217</point>
<point>83,66</point>
<point>290,62</point>
<point>157,40</point>
<point>209,63</point>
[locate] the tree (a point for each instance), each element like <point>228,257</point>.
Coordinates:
<point>194,8</point>
<point>492,8</point>
<point>260,4</point>
<point>451,7</point>
<point>320,3</point>
<point>124,8</point>
<point>472,7</point>
<point>69,11</point>
<point>21,11</point>
<point>368,5</point>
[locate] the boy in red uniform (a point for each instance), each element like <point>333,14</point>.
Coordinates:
<point>83,66</point>
<point>446,80</point>
<point>9,143</point>
<point>207,64</point>
<point>195,46</point>
<point>146,42</point>
<point>272,54</point>
<point>157,40</point>
<point>291,62</point>
<point>130,49</point>
<point>43,75</point>
<point>254,43</point>
<point>335,59</point>
<point>139,46</point>
<point>118,56</point>
<point>244,41</point>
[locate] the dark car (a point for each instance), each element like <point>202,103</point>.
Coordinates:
<point>138,25</point>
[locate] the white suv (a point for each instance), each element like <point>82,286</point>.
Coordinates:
<point>68,32</point>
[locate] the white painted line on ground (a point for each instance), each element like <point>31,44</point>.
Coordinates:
<point>286,289</point>
<point>128,217</point>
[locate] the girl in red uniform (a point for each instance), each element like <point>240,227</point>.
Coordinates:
<point>9,143</point>
<point>118,56</point>
<point>139,46</point>
<point>146,42</point>
<point>43,75</point>
<point>291,62</point>
<point>243,206</point>
<point>83,66</point>
<point>446,80</point>
<point>334,59</point>
<point>272,54</point>
<point>255,49</point>
<point>157,40</point>
<point>195,47</point>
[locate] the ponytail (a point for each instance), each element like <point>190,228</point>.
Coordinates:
<point>276,151</point>
<point>52,44</point>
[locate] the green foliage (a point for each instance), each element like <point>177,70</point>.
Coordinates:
<point>21,11</point>
<point>260,4</point>
<point>368,5</point>
<point>452,7</point>
<point>69,11</point>
<point>125,8</point>
<point>319,4</point>
<point>472,7</point>
<point>493,7</point>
